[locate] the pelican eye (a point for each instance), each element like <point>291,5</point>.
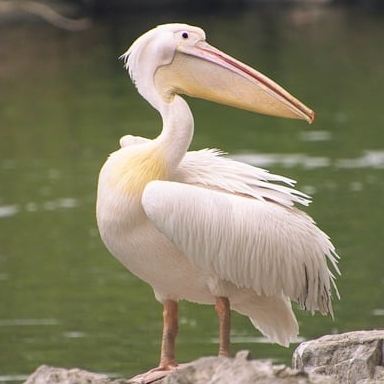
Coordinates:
<point>184,35</point>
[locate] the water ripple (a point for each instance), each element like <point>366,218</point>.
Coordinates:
<point>12,378</point>
<point>315,136</point>
<point>253,340</point>
<point>50,205</point>
<point>266,160</point>
<point>9,210</point>
<point>369,159</point>
<point>28,322</point>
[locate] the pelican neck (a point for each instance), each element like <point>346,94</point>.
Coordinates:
<point>177,133</point>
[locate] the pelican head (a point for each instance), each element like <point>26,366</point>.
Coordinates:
<point>176,59</point>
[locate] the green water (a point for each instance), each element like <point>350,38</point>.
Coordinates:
<point>65,100</point>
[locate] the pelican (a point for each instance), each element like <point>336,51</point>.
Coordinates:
<point>197,225</point>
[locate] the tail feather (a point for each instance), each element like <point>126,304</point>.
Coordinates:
<point>272,316</point>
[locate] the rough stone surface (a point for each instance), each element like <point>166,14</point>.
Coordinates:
<point>242,369</point>
<point>207,370</point>
<point>353,357</point>
<point>53,375</point>
<point>349,358</point>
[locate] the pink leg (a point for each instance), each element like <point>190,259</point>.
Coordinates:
<point>170,328</point>
<point>167,358</point>
<point>224,314</point>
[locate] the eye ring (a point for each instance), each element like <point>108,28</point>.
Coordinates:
<point>184,35</point>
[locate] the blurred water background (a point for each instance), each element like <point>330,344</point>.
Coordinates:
<point>65,101</point>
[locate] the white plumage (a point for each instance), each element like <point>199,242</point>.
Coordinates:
<point>198,225</point>
<point>253,244</point>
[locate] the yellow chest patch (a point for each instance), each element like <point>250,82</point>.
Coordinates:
<point>131,169</point>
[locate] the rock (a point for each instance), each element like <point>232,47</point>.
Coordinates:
<point>241,369</point>
<point>53,375</point>
<point>207,370</point>
<point>353,357</point>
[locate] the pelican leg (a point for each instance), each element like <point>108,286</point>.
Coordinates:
<point>223,311</point>
<point>170,328</point>
<point>167,358</point>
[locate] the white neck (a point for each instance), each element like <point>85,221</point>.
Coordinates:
<point>177,132</point>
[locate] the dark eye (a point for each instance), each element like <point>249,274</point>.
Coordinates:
<point>184,35</point>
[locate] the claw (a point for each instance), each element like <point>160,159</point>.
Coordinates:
<point>155,374</point>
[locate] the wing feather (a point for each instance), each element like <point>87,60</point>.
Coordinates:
<point>209,168</point>
<point>255,244</point>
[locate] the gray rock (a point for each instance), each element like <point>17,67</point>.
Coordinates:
<point>350,358</point>
<point>241,369</point>
<point>207,370</point>
<point>353,357</point>
<point>52,375</point>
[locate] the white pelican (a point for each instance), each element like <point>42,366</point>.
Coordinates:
<point>199,226</point>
